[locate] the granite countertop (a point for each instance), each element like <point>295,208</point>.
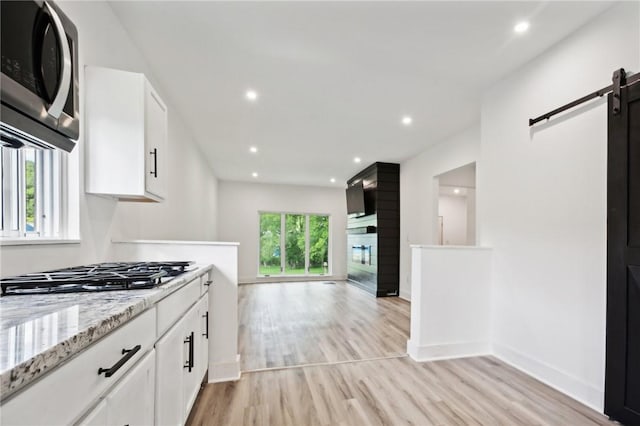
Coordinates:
<point>40,332</point>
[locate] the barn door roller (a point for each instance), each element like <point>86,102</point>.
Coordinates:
<point>620,80</point>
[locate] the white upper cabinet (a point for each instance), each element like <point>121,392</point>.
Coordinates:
<point>126,136</point>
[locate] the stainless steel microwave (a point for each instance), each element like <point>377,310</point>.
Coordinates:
<point>39,86</point>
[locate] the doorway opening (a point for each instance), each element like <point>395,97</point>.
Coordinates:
<point>456,207</point>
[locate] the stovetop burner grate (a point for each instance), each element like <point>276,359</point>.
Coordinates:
<point>97,277</point>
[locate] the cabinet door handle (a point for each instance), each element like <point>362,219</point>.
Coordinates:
<point>208,283</point>
<point>154,172</point>
<point>206,318</point>
<point>189,363</point>
<point>128,354</point>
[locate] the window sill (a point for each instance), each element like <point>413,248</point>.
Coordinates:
<point>36,241</point>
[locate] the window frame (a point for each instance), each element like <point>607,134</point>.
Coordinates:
<point>283,254</point>
<point>50,195</point>
<point>9,222</point>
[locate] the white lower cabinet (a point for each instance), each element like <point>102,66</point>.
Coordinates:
<point>97,417</point>
<point>190,379</point>
<point>65,394</point>
<point>131,401</point>
<point>181,365</point>
<point>129,377</point>
<point>203,344</point>
<point>170,366</point>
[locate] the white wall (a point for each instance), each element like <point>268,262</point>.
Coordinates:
<point>239,204</point>
<point>471,216</point>
<point>104,42</point>
<point>454,219</point>
<point>542,205</point>
<point>419,193</point>
<point>450,304</point>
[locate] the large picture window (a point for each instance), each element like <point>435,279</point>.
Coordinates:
<point>31,181</point>
<point>293,244</point>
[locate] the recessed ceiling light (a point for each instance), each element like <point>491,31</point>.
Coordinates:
<point>357,160</point>
<point>251,95</point>
<point>407,120</point>
<point>253,149</point>
<point>333,180</point>
<point>521,27</point>
<point>456,191</point>
<point>254,174</point>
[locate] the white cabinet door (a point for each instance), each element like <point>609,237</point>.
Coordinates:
<point>125,136</point>
<point>170,362</point>
<point>131,402</point>
<point>203,344</point>
<point>97,416</point>
<point>182,359</point>
<point>191,381</point>
<point>155,143</point>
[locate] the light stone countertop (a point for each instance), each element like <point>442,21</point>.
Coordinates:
<point>39,332</point>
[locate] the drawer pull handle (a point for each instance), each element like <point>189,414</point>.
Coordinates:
<point>128,354</point>
<point>206,319</point>
<point>208,283</point>
<point>189,363</point>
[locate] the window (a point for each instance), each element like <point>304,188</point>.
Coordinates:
<point>30,201</point>
<point>318,244</point>
<point>270,260</point>
<point>294,244</point>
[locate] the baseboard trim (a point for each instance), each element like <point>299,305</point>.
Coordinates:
<point>264,280</point>
<point>569,385</point>
<point>225,371</point>
<point>447,351</point>
<point>405,295</point>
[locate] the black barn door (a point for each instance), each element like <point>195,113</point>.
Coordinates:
<point>622,387</point>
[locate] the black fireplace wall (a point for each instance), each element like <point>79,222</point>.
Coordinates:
<point>373,241</point>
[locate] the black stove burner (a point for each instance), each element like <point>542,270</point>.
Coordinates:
<point>98,277</point>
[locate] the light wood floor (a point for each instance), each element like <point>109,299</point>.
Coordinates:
<point>472,391</point>
<point>353,391</point>
<point>287,324</point>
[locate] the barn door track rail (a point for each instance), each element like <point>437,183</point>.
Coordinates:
<point>620,79</point>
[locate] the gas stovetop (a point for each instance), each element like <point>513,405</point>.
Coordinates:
<point>97,277</point>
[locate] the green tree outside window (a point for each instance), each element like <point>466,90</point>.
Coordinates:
<point>294,244</point>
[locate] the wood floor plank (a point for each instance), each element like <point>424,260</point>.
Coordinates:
<point>355,415</point>
<point>343,328</point>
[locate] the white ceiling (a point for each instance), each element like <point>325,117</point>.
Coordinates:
<point>334,78</point>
